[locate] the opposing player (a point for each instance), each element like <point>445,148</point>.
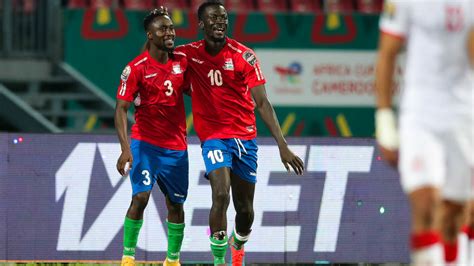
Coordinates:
<point>158,150</point>
<point>436,118</point>
<point>226,80</point>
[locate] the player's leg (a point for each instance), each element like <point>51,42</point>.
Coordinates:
<point>220,186</point>
<point>452,217</point>
<point>469,231</point>
<point>243,179</point>
<point>422,170</point>
<point>175,224</point>
<point>456,192</point>
<point>141,177</point>
<point>173,181</point>
<point>242,195</point>
<point>133,222</point>
<point>218,161</point>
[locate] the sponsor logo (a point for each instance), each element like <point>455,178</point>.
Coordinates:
<point>197,60</point>
<point>250,58</point>
<point>125,73</point>
<point>73,186</point>
<point>253,174</point>
<point>178,195</point>
<point>291,73</point>
<point>151,75</point>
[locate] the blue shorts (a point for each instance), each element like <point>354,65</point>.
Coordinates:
<point>239,155</point>
<point>168,168</point>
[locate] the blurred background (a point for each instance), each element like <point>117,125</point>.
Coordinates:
<point>60,61</point>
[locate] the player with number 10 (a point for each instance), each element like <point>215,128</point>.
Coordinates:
<point>227,84</point>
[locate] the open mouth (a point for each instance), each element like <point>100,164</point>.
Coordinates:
<point>219,30</point>
<point>169,42</point>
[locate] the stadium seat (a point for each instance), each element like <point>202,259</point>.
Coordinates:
<point>239,5</point>
<point>29,5</point>
<point>138,4</point>
<point>103,3</point>
<point>269,6</point>
<point>339,6</point>
<point>173,4</point>
<point>369,6</point>
<point>77,4</point>
<point>305,6</point>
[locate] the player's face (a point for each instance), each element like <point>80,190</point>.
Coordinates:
<point>162,33</point>
<point>215,22</point>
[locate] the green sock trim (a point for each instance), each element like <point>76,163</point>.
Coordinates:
<point>237,244</point>
<point>131,229</point>
<point>175,239</point>
<point>219,249</point>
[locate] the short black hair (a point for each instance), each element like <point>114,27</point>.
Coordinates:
<point>206,4</point>
<point>152,15</point>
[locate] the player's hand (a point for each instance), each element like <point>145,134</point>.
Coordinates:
<point>125,157</point>
<point>288,158</point>
<point>390,156</point>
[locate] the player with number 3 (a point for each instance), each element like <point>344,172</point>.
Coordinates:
<point>154,82</point>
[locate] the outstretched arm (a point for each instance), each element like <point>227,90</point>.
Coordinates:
<point>121,109</point>
<point>268,116</point>
<point>386,132</point>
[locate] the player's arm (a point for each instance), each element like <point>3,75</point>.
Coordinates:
<point>121,109</point>
<point>470,46</point>
<point>386,132</point>
<point>268,116</point>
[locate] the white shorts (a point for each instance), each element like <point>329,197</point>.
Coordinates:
<point>437,158</point>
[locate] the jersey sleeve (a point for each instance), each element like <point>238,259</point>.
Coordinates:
<point>128,84</point>
<point>395,18</point>
<point>251,71</point>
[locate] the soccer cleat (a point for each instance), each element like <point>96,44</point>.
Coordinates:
<point>171,263</point>
<point>237,255</point>
<point>128,261</point>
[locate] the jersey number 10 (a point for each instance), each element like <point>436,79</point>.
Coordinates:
<point>216,77</point>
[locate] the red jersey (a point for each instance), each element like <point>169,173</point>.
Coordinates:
<point>157,92</point>
<point>222,102</point>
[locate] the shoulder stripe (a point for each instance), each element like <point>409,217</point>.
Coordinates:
<point>234,48</point>
<point>180,53</point>
<point>258,74</point>
<point>141,61</point>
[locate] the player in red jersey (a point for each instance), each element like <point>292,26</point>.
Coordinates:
<point>227,84</point>
<point>153,81</point>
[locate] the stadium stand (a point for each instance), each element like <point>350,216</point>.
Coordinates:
<point>305,6</point>
<point>339,6</point>
<point>138,4</point>
<point>269,6</point>
<point>173,4</point>
<point>369,6</point>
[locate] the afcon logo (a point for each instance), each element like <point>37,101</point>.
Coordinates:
<point>291,73</point>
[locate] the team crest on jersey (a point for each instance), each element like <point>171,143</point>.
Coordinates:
<point>126,73</point>
<point>177,69</point>
<point>249,57</point>
<point>229,64</point>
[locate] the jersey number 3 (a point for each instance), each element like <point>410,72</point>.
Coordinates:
<point>169,87</point>
<point>216,77</point>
